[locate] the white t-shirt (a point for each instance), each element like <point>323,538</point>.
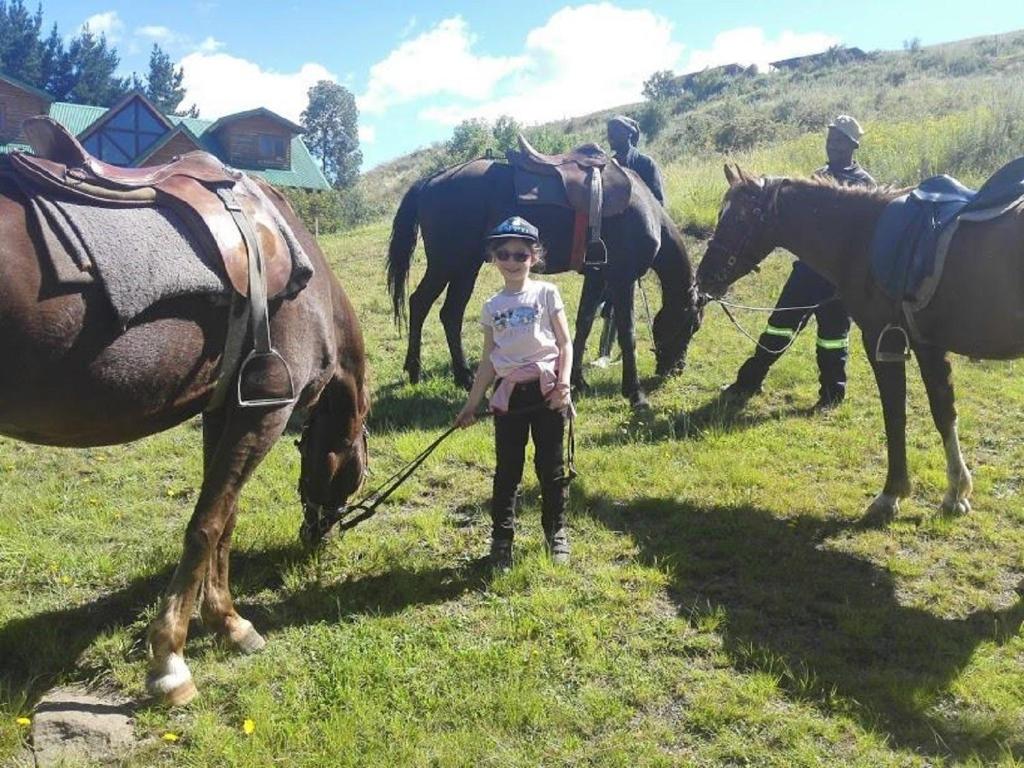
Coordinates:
<point>523,326</point>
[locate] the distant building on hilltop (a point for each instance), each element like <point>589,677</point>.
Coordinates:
<point>728,70</point>
<point>831,56</point>
<point>134,132</point>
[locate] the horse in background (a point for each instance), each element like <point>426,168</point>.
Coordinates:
<point>456,207</point>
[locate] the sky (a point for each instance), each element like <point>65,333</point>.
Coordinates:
<point>418,68</point>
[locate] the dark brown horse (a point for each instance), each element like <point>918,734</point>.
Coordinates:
<point>72,377</point>
<point>456,207</point>
<point>977,309</point>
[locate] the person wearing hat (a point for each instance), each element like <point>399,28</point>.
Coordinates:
<point>806,288</point>
<point>623,136</point>
<point>528,351</point>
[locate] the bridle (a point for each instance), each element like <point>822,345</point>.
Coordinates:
<point>736,254</point>
<point>346,447</point>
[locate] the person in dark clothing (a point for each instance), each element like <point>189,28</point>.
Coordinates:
<point>623,136</point>
<point>806,288</point>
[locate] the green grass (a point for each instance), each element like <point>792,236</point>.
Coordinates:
<point>723,606</point>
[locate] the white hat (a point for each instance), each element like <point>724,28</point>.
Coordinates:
<point>849,127</point>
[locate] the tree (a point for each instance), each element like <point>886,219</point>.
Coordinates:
<point>57,76</point>
<point>92,67</point>
<point>163,84</point>
<point>506,133</point>
<point>331,121</point>
<point>470,139</point>
<point>662,85</point>
<point>21,51</point>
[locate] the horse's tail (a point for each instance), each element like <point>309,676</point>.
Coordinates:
<point>404,231</point>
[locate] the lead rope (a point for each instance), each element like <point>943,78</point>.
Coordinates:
<point>372,500</point>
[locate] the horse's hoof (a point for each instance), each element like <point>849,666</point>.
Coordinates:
<point>581,388</point>
<point>171,683</point>
<point>245,638</point>
<point>639,401</point>
<point>882,510</point>
<point>414,373</point>
<point>464,380</point>
<point>954,506</point>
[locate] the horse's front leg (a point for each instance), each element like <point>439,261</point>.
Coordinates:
<point>622,303</point>
<point>460,290</point>
<point>243,442</point>
<point>938,382</point>
<point>891,379</point>
<point>593,288</point>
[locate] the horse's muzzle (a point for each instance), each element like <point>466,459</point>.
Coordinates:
<point>317,522</point>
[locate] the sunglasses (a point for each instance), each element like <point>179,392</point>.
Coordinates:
<point>521,256</point>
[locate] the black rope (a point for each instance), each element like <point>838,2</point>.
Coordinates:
<point>371,501</point>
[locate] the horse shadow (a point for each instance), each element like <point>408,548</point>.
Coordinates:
<point>46,647</point>
<point>430,404</point>
<point>822,622</point>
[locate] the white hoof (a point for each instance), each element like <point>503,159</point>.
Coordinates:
<point>170,681</point>
<point>951,505</point>
<point>245,638</point>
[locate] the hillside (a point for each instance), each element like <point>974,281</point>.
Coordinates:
<point>952,108</point>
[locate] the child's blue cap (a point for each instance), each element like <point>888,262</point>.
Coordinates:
<point>515,227</point>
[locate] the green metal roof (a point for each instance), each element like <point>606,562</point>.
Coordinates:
<point>7,148</point>
<point>305,172</point>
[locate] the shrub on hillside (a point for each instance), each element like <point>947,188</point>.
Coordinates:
<point>335,210</point>
<point>652,118</point>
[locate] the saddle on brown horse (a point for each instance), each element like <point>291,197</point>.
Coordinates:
<point>225,210</point>
<point>584,179</point>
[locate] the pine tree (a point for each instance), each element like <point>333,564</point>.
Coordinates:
<point>57,76</point>
<point>92,64</point>
<point>331,123</point>
<point>164,82</point>
<point>21,51</point>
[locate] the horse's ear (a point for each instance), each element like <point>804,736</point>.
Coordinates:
<point>730,175</point>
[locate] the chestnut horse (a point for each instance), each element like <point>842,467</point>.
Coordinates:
<point>977,308</point>
<point>455,208</point>
<point>74,378</point>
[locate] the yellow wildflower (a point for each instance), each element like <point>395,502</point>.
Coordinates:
<point>24,722</point>
<point>248,726</point>
<point>170,736</point>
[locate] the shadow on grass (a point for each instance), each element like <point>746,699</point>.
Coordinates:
<point>430,404</point>
<point>827,624</point>
<point>39,650</point>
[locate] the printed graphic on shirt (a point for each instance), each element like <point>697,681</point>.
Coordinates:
<point>515,317</point>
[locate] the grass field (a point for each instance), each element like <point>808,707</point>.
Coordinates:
<point>723,606</point>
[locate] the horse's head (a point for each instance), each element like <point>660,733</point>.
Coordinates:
<point>334,456</point>
<point>745,233</point>
<point>673,327</point>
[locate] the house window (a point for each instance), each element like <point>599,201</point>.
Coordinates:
<point>272,147</point>
<point>127,134</point>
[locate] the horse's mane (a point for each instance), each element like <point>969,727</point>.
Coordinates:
<point>884,192</point>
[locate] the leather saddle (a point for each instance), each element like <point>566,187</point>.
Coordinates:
<point>225,210</point>
<point>584,179</point>
<point>198,186</point>
<point>915,230</point>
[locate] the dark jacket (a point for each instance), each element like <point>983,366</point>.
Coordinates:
<point>645,168</point>
<point>853,175</point>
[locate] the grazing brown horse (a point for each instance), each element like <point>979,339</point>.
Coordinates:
<point>976,310</point>
<point>73,377</point>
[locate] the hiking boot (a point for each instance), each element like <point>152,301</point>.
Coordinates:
<point>828,403</point>
<point>558,546</point>
<point>501,556</point>
<point>739,393</point>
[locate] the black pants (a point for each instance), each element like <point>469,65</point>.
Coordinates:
<point>804,287</point>
<point>511,433</point>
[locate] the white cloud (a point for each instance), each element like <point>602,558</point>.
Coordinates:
<point>156,32</point>
<point>435,63</point>
<point>210,45</point>
<point>107,23</point>
<point>579,61</point>
<point>367,134</point>
<point>410,25</point>
<point>748,45</point>
<point>221,84</point>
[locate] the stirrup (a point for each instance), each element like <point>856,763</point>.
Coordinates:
<point>892,357</point>
<point>265,402</point>
<point>596,254</point>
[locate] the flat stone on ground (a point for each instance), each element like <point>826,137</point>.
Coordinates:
<point>71,724</point>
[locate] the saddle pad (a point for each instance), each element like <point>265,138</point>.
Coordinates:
<point>140,255</point>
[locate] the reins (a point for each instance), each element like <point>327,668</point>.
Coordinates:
<point>371,501</point>
<point>728,306</point>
